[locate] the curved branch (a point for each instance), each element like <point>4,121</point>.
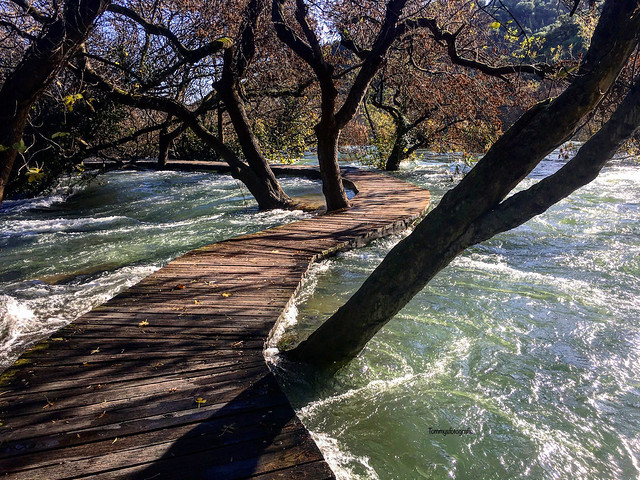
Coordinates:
<point>189,55</point>
<point>386,36</point>
<point>312,39</point>
<point>579,171</point>
<point>33,12</point>
<point>151,28</point>
<point>449,39</point>
<point>288,36</point>
<point>162,104</point>
<point>20,33</point>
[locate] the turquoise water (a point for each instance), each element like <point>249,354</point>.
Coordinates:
<point>62,256</point>
<point>531,341</point>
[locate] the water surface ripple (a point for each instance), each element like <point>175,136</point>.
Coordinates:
<point>530,340</point>
<point>63,256</point>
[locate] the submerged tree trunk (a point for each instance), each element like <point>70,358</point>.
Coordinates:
<point>472,211</point>
<point>400,144</point>
<point>164,144</point>
<point>37,69</point>
<point>332,187</point>
<point>236,60</point>
<point>398,153</point>
<point>332,122</point>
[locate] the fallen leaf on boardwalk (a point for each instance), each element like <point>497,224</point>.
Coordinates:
<point>200,401</point>
<point>196,302</point>
<point>97,350</point>
<point>275,251</point>
<point>179,287</point>
<point>237,344</point>
<point>226,294</point>
<point>228,429</point>
<point>103,414</point>
<point>114,440</point>
<point>143,323</point>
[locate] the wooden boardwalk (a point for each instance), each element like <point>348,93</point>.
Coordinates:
<point>168,380</point>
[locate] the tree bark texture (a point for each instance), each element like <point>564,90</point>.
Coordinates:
<point>332,187</point>
<point>43,59</point>
<point>272,195</point>
<point>472,211</point>
<point>400,144</point>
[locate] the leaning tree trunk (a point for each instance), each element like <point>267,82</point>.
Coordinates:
<point>332,186</point>
<point>11,129</point>
<point>272,193</point>
<point>471,206</point>
<point>37,69</point>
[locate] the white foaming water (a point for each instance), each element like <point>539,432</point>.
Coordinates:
<point>35,227</point>
<point>289,318</point>
<point>62,257</point>
<point>529,339</point>
<point>37,310</point>
<point>344,465</point>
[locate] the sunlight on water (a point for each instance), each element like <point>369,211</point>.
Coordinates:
<point>530,341</point>
<point>62,257</point>
<point>520,360</point>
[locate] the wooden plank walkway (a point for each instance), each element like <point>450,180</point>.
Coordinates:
<point>168,380</point>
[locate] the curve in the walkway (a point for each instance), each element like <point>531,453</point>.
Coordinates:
<point>168,379</point>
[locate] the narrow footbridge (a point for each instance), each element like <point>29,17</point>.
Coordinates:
<point>168,380</point>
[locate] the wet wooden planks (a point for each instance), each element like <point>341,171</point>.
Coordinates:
<point>168,379</point>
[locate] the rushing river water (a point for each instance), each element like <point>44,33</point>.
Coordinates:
<point>528,345</point>
<point>63,256</point>
<point>530,342</point>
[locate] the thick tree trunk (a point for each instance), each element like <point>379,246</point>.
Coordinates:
<point>456,222</point>
<point>272,195</point>
<point>332,187</point>
<point>166,139</point>
<point>267,199</point>
<point>220,125</point>
<point>399,151</point>
<point>39,66</point>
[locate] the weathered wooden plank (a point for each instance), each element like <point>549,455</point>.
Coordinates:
<point>229,463</point>
<point>121,372</point>
<point>279,419</point>
<point>139,416</point>
<point>133,368</point>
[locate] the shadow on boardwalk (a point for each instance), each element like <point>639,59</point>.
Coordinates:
<point>168,379</point>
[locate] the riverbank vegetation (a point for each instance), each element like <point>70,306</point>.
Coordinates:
<point>264,81</point>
